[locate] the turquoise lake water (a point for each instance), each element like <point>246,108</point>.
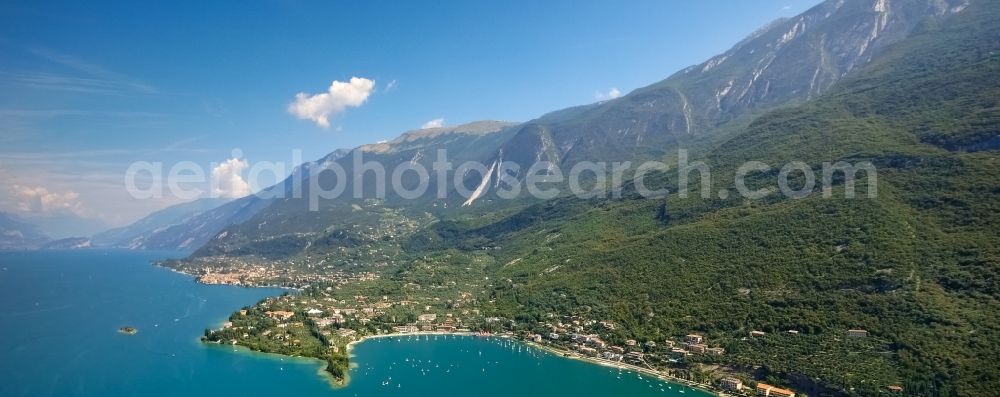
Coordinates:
<point>60,312</point>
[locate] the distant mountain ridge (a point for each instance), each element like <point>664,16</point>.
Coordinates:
<point>187,226</point>
<point>134,235</point>
<point>292,219</point>
<point>197,229</point>
<point>70,243</point>
<point>16,233</point>
<point>438,136</point>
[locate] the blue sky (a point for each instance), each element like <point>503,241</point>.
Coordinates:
<point>86,89</point>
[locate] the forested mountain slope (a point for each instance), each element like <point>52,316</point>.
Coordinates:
<point>917,266</point>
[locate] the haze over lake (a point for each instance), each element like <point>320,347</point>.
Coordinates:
<point>61,311</point>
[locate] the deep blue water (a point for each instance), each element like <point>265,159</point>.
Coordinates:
<point>60,312</point>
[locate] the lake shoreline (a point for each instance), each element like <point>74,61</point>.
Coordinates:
<point>339,384</point>
<point>260,354</point>
<point>555,351</point>
<point>197,279</point>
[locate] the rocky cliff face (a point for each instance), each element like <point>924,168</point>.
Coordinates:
<point>790,60</point>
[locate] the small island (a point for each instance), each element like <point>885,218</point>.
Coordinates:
<point>128,330</point>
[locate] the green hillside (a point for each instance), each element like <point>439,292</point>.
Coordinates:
<point>917,266</point>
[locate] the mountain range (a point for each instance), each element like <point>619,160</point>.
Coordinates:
<point>786,62</point>
<point>15,233</point>
<point>911,87</point>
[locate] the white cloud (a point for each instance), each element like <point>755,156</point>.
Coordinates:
<point>339,97</point>
<point>436,123</point>
<point>38,199</point>
<point>389,87</point>
<point>227,179</point>
<point>611,94</point>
